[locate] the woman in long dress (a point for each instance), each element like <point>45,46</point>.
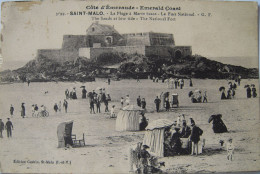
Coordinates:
<point>218,124</point>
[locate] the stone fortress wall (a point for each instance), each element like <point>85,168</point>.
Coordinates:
<point>104,39</point>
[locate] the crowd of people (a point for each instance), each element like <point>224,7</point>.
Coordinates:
<point>231,92</point>
<point>173,136</point>
<point>175,83</point>
<point>177,133</point>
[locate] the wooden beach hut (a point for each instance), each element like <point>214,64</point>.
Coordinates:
<point>64,129</point>
<point>128,118</point>
<point>154,136</point>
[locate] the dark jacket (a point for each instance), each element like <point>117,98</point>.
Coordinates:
<point>2,126</point>
<point>143,104</point>
<point>185,133</point>
<point>8,125</point>
<point>84,92</point>
<point>157,101</point>
<point>196,132</point>
<point>138,100</point>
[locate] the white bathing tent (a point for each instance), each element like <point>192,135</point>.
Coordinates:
<point>128,118</point>
<point>154,136</point>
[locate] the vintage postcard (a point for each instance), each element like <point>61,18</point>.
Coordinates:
<point>129,87</point>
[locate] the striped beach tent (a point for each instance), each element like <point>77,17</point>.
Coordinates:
<point>154,136</point>
<point>128,118</point>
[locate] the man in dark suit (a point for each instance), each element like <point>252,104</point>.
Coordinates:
<point>157,102</point>
<point>196,132</point>
<point>9,127</point>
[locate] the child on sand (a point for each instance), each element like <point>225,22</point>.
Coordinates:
<point>230,149</point>
<point>113,115</point>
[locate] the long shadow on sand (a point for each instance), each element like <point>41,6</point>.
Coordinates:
<point>211,151</point>
<point>187,108</point>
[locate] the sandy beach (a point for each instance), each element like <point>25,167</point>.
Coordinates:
<point>33,147</point>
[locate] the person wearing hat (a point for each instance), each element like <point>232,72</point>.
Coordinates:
<point>84,92</point>
<point>143,156</point>
<point>186,131</point>
<point>144,122</point>
<point>191,83</point>
<point>103,97</point>
<point>230,149</point>
<point>67,94</point>
<point>23,110</point>
<point>176,141</point>
<point>9,127</point>
<point>192,121</point>
<point>143,104</point>
<point>254,94</point>
<point>2,127</point>
<point>157,102</point>
<point>74,94</point>
<point>196,132</point>
<point>167,104</point>
<point>138,100</point>
<point>65,105</point>
<point>248,92</point>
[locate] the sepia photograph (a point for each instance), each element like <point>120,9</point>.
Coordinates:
<point>129,87</point>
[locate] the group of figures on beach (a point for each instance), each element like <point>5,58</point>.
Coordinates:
<point>40,111</point>
<point>172,83</point>
<point>95,98</point>
<point>8,126</point>
<point>231,92</point>
<point>251,92</point>
<point>180,129</point>
<point>179,139</point>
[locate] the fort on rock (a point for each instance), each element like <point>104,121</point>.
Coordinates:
<point>102,38</point>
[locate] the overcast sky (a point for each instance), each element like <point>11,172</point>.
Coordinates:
<point>231,31</point>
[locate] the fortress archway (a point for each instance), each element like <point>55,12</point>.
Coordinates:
<point>177,54</point>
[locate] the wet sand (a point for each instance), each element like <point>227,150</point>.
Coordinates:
<point>35,139</point>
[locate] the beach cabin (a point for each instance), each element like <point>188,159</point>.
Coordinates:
<point>154,136</point>
<point>128,118</point>
<point>64,129</point>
